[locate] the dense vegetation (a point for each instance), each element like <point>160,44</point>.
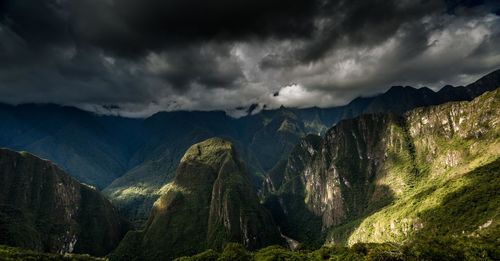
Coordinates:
<point>472,248</point>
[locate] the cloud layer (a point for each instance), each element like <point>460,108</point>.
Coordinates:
<point>139,57</point>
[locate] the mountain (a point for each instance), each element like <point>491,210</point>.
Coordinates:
<point>93,149</point>
<point>264,138</point>
<point>44,209</point>
<point>399,99</point>
<point>171,134</point>
<point>387,177</point>
<point>209,203</point>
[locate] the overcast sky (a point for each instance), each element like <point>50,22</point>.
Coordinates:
<point>142,56</point>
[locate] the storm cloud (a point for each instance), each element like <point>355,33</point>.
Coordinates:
<point>138,57</point>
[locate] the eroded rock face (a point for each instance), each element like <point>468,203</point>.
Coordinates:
<point>209,203</point>
<point>342,175</point>
<point>362,164</point>
<point>43,208</point>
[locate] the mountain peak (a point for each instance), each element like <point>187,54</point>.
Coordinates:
<point>210,203</point>
<point>208,151</point>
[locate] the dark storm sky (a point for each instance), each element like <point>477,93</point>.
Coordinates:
<point>151,55</point>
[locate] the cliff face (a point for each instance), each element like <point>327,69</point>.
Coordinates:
<point>457,154</point>
<point>43,208</point>
<point>343,175</point>
<point>374,161</point>
<point>209,203</point>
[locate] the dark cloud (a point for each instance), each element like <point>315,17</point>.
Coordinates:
<point>210,66</point>
<point>149,55</point>
<point>132,28</point>
<point>357,23</point>
<point>38,23</point>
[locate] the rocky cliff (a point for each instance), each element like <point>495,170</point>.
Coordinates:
<point>344,181</point>
<point>43,208</point>
<point>209,203</point>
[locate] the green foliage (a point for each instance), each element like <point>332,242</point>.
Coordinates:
<point>439,248</point>
<point>453,248</point>
<point>450,205</point>
<point>208,255</point>
<point>277,253</point>
<point>235,252</point>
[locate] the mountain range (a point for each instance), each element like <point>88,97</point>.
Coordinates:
<point>131,159</point>
<point>390,168</point>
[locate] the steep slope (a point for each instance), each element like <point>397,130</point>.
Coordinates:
<point>398,167</point>
<point>457,148</point>
<point>209,203</point>
<point>44,209</point>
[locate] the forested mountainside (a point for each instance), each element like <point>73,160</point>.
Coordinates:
<point>44,209</point>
